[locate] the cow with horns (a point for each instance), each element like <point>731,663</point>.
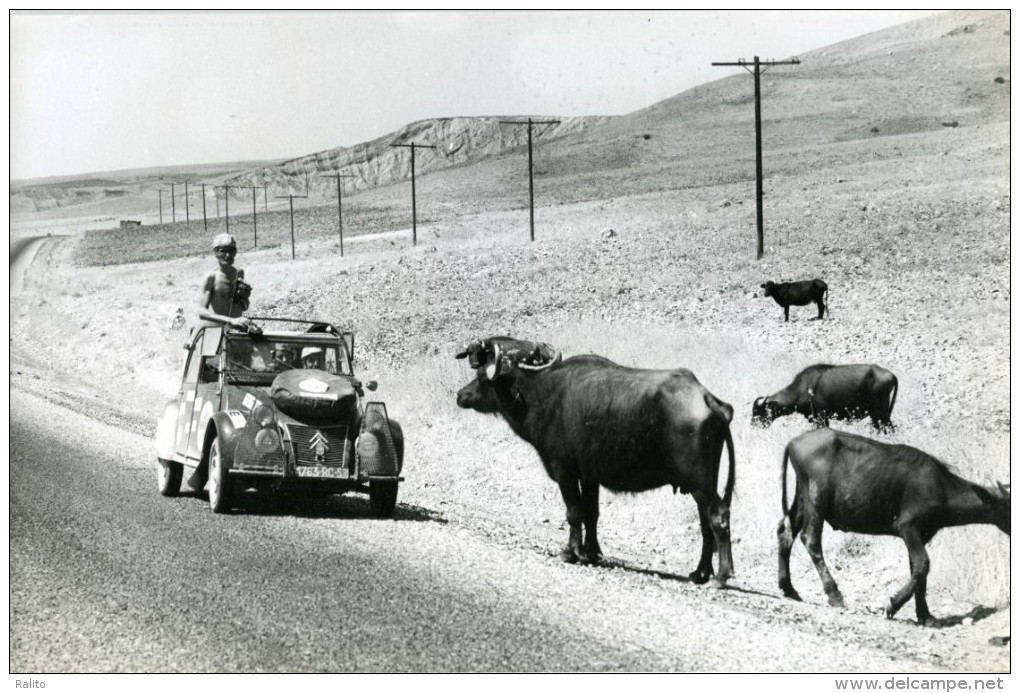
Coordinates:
<point>594,423</point>
<point>823,391</point>
<point>861,485</point>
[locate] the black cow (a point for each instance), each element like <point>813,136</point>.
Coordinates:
<point>822,391</point>
<point>798,294</point>
<point>595,423</point>
<point>861,485</point>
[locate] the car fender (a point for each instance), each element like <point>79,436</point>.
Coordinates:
<point>166,432</point>
<point>222,426</point>
<point>380,443</point>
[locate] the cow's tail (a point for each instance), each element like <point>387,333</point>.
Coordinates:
<point>786,504</point>
<point>892,399</point>
<point>725,412</point>
<point>732,480</point>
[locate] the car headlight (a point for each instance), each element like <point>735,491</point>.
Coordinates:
<point>263,415</point>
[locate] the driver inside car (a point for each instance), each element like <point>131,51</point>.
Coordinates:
<point>283,357</point>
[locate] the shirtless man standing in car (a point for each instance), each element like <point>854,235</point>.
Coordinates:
<point>224,291</point>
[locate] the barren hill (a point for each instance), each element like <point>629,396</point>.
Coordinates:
<point>945,72</point>
<point>456,141</point>
<point>376,163</point>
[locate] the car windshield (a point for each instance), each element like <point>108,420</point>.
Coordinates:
<point>275,355</point>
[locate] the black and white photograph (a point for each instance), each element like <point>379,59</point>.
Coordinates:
<point>510,342</point>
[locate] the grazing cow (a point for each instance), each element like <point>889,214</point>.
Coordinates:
<point>821,392</point>
<point>861,485</point>
<point>798,294</point>
<point>595,423</point>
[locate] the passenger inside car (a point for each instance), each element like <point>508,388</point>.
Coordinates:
<point>312,357</point>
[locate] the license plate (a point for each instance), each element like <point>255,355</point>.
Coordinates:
<point>323,472</point>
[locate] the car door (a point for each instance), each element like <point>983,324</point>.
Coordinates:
<point>205,400</point>
<point>186,395</point>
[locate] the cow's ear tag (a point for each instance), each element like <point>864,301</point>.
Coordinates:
<point>491,370</point>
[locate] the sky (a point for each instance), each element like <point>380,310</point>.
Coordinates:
<point>93,92</point>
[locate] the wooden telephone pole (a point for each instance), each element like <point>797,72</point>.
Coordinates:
<point>291,198</point>
<point>205,217</point>
<point>226,197</point>
<point>340,204</point>
<point>759,68</point>
<point>187,205</point>
<point>254,217</point>
<point>531,176</point>
<point>414,203</point>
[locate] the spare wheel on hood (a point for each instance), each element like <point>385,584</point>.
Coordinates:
<point>309,394</point>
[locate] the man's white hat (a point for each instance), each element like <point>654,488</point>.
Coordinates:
<point>224,240</point>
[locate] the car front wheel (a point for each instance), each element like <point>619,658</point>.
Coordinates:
<point>219,480</point>
<point>170,475</point>
<point>382,496</point>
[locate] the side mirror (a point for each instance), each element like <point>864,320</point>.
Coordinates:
<point>372,385</point>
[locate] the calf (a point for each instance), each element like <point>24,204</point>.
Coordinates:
<point>861,485</point>
<point>798,294</point>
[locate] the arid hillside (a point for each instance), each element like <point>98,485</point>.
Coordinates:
<point>886,162</point>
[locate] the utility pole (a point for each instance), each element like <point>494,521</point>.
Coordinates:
<point>759,68</point>
<point>291,198</point>
<point>227,188</point>
<point>340,204</point>
<point>414,203</point>
<point>254,217</point>
<point>205,219</point>
<point>531,176</point>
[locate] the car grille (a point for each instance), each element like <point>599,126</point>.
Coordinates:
<point>332,439</point>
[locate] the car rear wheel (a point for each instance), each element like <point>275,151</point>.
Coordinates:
<point>220,488</point>
<point>382,496</point>
<point>170,475</point>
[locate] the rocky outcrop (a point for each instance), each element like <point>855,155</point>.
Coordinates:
<point>376,163</point>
